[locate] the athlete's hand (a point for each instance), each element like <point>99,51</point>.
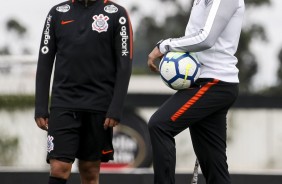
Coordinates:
<point>42,123</point>
<point>153,56</point>
<point>110,122</point>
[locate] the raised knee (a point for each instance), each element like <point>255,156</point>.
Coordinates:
<point>152,124</point>
<point>155,122</point>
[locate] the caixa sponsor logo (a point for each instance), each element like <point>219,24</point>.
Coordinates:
<point>124,37</point>
<point>47,37</point>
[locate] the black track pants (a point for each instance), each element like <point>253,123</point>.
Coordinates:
<point>203,110</point>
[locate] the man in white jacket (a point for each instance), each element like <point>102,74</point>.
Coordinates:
<point>212,32</point>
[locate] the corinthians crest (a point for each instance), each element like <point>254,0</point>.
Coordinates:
<point>100,23</point>
<point>50,144</point>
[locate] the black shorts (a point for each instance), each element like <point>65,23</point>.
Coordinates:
<point>78,134</point>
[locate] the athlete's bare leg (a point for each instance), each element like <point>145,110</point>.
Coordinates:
<point>60,169</point>
<point>89,171</point>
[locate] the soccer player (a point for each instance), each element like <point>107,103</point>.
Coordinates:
<point>212,32</point>
<point>90,45</point>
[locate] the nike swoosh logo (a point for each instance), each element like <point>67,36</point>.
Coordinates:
<point>66,22</point>
<point>106,152</point>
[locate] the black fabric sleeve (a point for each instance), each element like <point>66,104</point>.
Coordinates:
<point>45,63</point>
<point>123,43</point>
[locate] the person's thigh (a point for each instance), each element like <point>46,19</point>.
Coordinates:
<point>162,117</point>
<point>187,107</point>
<point>63,135</point>
<point>95,142</point>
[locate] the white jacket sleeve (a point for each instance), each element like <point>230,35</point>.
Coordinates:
<point>214,15</point>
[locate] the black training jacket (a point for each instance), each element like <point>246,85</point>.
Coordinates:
<point>91,50</point>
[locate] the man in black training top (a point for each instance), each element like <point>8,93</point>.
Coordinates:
<point>89,43</point>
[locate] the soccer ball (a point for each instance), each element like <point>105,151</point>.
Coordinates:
<point>179,70</point>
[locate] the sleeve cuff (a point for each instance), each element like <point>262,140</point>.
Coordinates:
<point>164,46</point>
<point>115,116</point>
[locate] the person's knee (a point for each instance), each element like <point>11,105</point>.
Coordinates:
<point>89,171</point>
<point>158,125</point>
<point>153,123</point>
<point>60,169</point>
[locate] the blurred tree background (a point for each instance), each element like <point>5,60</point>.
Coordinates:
<point>277,89</point>
<point>15,35</point>
<point>149,32</point>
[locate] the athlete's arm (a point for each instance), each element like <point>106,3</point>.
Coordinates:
<point>217,13</point>
<point>46,58</point>
<point>110,122</point>
<point>123,51</point>
<point>42,123</point>
<point>155,54</point>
